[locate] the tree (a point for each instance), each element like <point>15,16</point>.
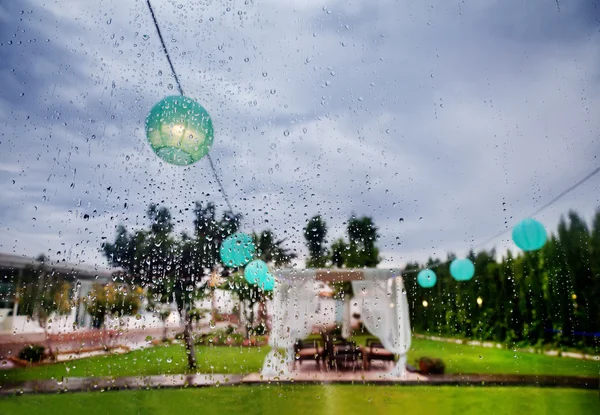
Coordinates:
<point>198,257</point>
<point>248,295</point>
<point>595,269</point>
<point>339,251</point>
<point>43,294</point>
<point>274,253</point>
<point>272,250</point>
<point>575,244</point>
<point>360,252</point>
<point>166,266</point>
<point>315,233</point>
<point>111,300</point>
<point>362,235</point>
<point>533,298</point>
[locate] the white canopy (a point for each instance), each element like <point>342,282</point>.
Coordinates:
<point>380,293</point>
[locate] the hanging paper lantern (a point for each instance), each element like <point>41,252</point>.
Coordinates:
<point>462,269</point>
<point>237,250</point>
<point>529,235</point>
<point>179,130</point>
<point>269,283</point>
<point>426,278</point>
<point>257,272</point>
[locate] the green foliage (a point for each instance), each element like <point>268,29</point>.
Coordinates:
<point>360,251</point>
<point>546,298</point>
<point>167,265</point>
<point>272,250</point>
<point>111,300</point>
<point>315,233</point>
<point>339,250</point>
<point>172,267</point>
<point>42,294</point>
<point>33,353</point>
<point>248,294</point>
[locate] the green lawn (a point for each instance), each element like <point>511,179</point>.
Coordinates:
<point>461,358</point>
<point>171,359</point>
<point>152,361</point>
<point>313,399</point>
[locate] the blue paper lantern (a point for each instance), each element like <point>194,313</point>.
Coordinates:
<point>529,235</point>
<point>426,278</point>
<point>237,250</point>
<point>257,272</point>
<point>462,269</point>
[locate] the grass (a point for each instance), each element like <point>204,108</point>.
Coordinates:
<point>313,399</point>
<point>462,358</point>
<point>151,361</point>
<point>459,358</point>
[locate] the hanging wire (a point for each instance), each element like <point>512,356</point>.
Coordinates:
<point>544,207</point>
<point>537,212</point>
<point>166,52</point>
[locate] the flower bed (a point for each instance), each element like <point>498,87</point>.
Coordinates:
<point>72,354</point>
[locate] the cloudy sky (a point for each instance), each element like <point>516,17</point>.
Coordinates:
<point>445,121</point>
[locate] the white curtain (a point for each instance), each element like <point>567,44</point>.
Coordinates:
<point>347,318</point>
<point>384,312</point>
<point>293,314</point>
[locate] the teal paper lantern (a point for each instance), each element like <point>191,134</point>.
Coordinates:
<point>179,130</point>
<point>529,235</point>
<point>257,272</point>
<point>426,278</point>
<point>237,250</point>
<point>462,269</point>
<point>269,283</point>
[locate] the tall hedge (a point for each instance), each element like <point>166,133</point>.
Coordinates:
<point>547,297</point>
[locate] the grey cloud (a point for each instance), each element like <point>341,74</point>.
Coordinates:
<point>444,117</point>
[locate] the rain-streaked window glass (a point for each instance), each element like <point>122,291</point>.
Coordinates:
<point>294,206</point>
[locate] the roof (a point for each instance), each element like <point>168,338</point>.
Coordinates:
<point>338,274</point>
<point>79,271</point>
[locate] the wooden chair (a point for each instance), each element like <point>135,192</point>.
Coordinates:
<point>308,350</point>
<point>375,351</point>
<point>342,352</point>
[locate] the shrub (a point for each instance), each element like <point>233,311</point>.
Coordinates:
<point>260,330</point>
<point>431,366</point>
<point>32,353</point>
<point>336,331</point>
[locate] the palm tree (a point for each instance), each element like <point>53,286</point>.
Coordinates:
<point>272,251</point>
